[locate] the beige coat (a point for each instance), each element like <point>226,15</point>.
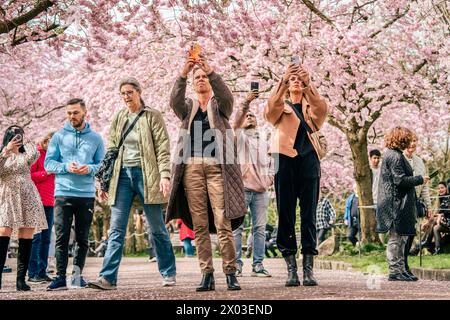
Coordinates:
<point>286,122</point>
<point>154,146</point>
<point>220,109</point>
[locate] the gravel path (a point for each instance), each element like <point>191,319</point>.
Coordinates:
<point>139,279</point>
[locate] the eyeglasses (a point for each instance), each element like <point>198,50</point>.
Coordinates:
<point>127,93</point>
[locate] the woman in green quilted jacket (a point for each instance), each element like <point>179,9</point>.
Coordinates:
<point>142,168</point>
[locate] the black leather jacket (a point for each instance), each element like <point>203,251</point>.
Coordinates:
<point>396,195</point>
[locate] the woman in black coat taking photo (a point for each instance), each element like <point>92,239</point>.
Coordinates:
<point>396,212</point>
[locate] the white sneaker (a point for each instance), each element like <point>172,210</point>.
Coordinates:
<point>152,259</point>
<point>169,281</point>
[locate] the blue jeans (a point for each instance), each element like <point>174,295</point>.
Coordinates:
<point>258,203</point>
<point>188,248</point>
<point>131,183</point>
<point>40,248</point>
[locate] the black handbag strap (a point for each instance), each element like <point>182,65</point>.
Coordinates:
<point>130,128</point>
<point>301,117</point>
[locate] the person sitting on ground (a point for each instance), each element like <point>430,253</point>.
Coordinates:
<point>443,219</point>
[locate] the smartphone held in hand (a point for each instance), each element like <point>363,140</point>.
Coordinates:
<point>254,87</point>
<point>434,174</point>
<point>195,51</point>
<point>295,60</point>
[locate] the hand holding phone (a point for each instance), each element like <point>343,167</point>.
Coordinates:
<point>295,60</point>
<point>18,137</point>
<point>15,142</point>
<point>195,51</point>
<point>254,87</point>
<point>434,174</point>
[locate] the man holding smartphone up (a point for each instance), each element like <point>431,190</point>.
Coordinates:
<point>74,155</point>
<point>257,176</point>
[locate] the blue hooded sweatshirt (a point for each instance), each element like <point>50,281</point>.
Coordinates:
<point>68,145</point>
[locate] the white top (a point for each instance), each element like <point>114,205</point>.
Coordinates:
<point>419,169</point>
<point>375,180</point>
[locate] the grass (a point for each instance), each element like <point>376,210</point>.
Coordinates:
<point>373,258</point>
<point>375,261</point>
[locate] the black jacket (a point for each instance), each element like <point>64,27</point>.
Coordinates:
<point>396,195</point>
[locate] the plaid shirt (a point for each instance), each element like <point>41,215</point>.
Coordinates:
<point>324,214</point>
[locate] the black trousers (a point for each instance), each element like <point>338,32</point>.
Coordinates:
<point>66,208</point>
<point>408,246</point>
<point>297,179</point>
<point>353,233</point>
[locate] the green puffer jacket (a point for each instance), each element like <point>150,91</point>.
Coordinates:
<point>154,145</point>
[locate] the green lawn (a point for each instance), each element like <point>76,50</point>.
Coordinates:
<point>376,261</point>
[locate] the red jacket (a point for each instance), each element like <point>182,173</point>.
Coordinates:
<point>185,232</point>
<point>44,182</point>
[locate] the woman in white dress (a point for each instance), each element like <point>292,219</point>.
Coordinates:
<point>21,211</point>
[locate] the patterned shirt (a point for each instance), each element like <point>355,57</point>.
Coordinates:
<point>324,214</point>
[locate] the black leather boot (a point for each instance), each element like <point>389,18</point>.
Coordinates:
<point>207,284</point>
<point>308,277</point>
<point>408,272</point>
<point>23,259</point>
<point>4,242</point>
<point>291,263</point>
<point>232,282</point>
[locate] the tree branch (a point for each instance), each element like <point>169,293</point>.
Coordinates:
<point>7,25</point>
<point>316,11</point>
<point>43,115</point>
<point>374,116</point>
<point>420,66</point>
<point>335,123</point>
<point>24,39</point>
<point>389,23</point>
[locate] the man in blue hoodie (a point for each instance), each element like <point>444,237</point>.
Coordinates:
<point>351,216</point>
<point>74,155</point>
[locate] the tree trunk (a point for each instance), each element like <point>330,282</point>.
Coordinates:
<point>130,239</point>
<point>102,219</point>
<point>106,220</point>
<point>361,173</point>
<point>96,227</point>
<point>140,234</point>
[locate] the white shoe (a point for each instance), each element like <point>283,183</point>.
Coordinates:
<point>152,259</point>
<point>169,281</point>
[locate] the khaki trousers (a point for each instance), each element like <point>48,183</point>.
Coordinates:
<point>202,180</point>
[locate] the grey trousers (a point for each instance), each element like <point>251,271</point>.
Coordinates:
<point>395,252</point>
